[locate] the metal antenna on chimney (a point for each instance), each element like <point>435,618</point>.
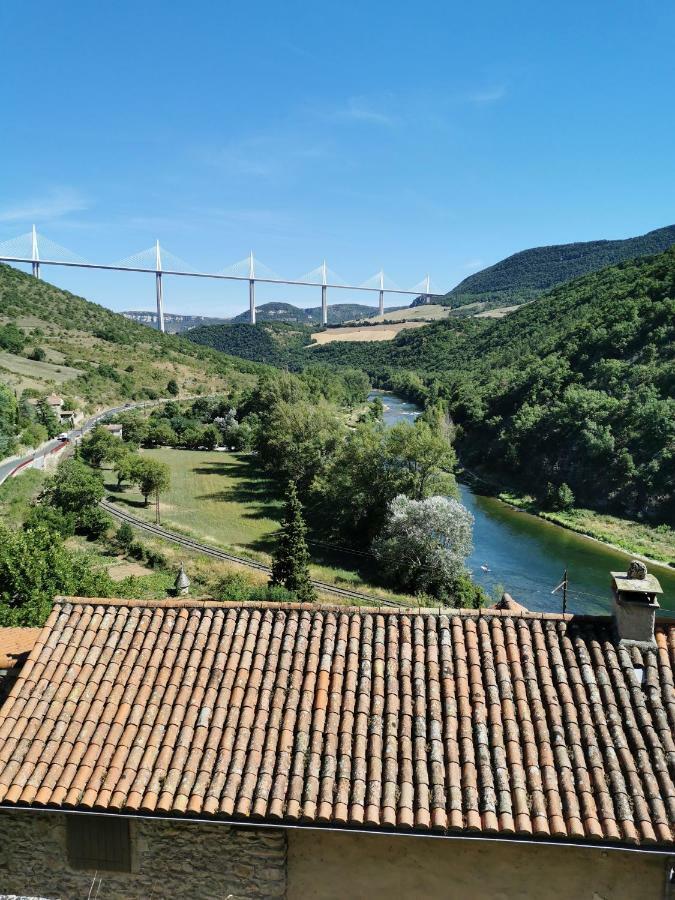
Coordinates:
<point>563,584</point>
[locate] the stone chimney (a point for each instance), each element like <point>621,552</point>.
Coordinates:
<point>635,605</point>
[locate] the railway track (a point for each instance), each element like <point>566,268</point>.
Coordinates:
<point>208,550</point>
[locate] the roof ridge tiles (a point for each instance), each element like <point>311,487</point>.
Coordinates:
<point>433,611</point>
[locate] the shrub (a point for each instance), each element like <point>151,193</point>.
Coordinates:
<point>155,559</point>
<point>237,586</point>
<point>94,522</point>
<point>137,550</point>
<point>278,594</point>
<point>558,498</point>
<point>51,518</point>
<point>233,586</point>
<point>33,435</point>
<point>125,535</point>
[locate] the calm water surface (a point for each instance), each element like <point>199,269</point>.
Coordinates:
<point>527,556</point>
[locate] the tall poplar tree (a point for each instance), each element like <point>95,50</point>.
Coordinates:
<point>290,560</point>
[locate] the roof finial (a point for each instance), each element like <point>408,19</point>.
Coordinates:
<point>182,583</point>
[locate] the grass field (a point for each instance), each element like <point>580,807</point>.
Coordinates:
<point>386,327</point>
<point>16,495</point>
<point>224,499</point>
<point>22,373</point>
<point>498,313</point>
<point>415,313</point>
<point>219,497</point>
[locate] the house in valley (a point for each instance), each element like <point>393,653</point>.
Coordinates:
<point>187,748</point>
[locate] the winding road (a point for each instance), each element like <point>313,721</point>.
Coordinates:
<point>16,464</point>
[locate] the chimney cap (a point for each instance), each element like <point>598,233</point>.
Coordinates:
<point>648,584</point>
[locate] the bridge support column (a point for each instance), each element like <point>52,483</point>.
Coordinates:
<point>251,300</point>
<point>324,294</point>
<point>158,288</point>
<point>36,255</point>
<point>381,303</point>
<point>160,301</point>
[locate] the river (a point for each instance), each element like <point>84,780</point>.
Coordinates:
<point>526,556</point>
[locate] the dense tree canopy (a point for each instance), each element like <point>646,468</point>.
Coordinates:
<point>575,388</point>
<point>526,275</point>
<point>35,566</point>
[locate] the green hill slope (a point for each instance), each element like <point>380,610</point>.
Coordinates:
<point>276,343</point>
<point>54,341</point>
<point>575,388</point>
<point>526,275</point>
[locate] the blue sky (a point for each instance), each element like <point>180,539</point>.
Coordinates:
<point>433,136</point>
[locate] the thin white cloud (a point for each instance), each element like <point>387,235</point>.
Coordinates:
<point>486,95</point>
<point>266,156</point>
<point>53,204</point>
<point>360,109</point>
<point>472,264</point>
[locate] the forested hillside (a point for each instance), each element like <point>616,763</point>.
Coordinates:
<point>276,343</point>
<point>526,275</point>
<point>54,342</point>
<point>574,389</point>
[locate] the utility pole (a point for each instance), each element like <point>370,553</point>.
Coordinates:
<point>563,585</point>
<point>381,292</point>
<point>36,255</point>
<point>324,295</point>
<point>251,288</point>
<point>157,522</point>
<point>158,288</point>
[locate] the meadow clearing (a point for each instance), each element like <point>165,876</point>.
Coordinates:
<point>226,500</point>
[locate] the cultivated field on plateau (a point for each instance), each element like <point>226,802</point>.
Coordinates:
<point>363,333</point>
<point>429,313</point>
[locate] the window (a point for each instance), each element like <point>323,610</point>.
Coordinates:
<point>98,842</point>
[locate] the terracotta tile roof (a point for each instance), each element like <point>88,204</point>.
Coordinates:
<point>16,644</point>
<point>497,724</point>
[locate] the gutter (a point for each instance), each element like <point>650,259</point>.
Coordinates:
<point>286,826</point>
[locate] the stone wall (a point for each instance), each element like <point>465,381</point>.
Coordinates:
<point>326,865</point>
<point>169,859</point>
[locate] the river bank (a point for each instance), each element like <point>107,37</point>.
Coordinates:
<point>652,544</point>
<point>526,555</point>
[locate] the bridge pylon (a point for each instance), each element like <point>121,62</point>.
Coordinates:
<point>381,296</point>
<point>324,294</point>
<point>158,288</point>
<point>35,253</point>
<point>251,288</point>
